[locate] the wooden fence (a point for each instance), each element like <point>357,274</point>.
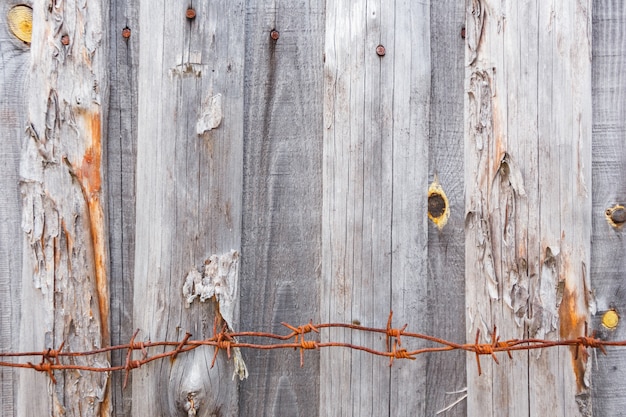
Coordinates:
<point>283,159</point>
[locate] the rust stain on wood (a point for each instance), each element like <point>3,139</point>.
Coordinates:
<point>90,176</point>
<point>572,326</point>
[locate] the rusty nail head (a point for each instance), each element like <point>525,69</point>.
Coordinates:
<point>65,40</point>
<point>380,50</point>
<point>463,32</point>
<point>126,33</point>
<point>274,34</point>
<point>190,13</point>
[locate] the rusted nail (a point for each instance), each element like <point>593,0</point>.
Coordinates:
<point>463,32</point>
<point>380,50</point>
<point>126,33</point>
<point>65,40</point>
<point>190,13</point>
<point>274,34</point>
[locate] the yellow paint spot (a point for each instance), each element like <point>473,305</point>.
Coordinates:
<point>438,206</point>
<point>20,20</point>
<point>610,319</point>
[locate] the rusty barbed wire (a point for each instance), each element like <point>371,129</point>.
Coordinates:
<point>226,340</point>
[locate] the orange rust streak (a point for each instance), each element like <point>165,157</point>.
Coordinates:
<point>572,326</point>
<point>91,180</point>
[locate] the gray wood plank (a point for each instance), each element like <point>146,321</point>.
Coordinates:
<point>446,247</point>
<point>281,248</point>
<point>528,179</point>
<point>14,67</point>
<point>189,193</point>
<point>121,152</point>
<point>65,296</point>
<point>609,189</point>
<point>376,114</point>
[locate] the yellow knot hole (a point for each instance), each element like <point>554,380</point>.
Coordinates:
<point>438,206</point>
<point>20,19</point>
<point>610,319</point>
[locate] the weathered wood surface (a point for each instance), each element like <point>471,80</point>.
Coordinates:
<point>65,291</point>
<point>189,193</point>
<point>608,263</point>
<point>281,247</point>
<point>446,280</point>
<point>375,176</point>
<point>121,154</point>
<point>14,69</point>
<point>362,134</point>
<point>528,200</point>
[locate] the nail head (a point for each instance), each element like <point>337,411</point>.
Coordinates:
<point>65,40</point>
<point>380,50</point>
<point>274,34</point>
<point>190,13</point>
<point>126,33</point>
<point>463,32</point>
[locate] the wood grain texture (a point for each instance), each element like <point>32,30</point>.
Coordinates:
<point>189,193</point>
<point>281,248</point>
<point>14,67</point>
<point>528,200</point>
<point>376,115</point>
<point>608,264</point>
<point>446,247</point>
<point>65,290</point>
<point>121,148</point>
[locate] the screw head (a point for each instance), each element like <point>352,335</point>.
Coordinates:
<point>126,33</point>
<point>65,40</point>
<point>190,13</point>
<point>380,50</point>
<point>274,34</point>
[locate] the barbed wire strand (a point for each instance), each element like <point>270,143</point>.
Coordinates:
<point>226,340</point>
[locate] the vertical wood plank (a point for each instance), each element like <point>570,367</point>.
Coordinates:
<point>528,173</point>
<point>376,112</point>
<point>608,263</point>
<point>65,296</point>
<point>14,68</point>
<point>189,193</point>
<point>446,263</point>
<point>121,149</point>
<point>282,200</point>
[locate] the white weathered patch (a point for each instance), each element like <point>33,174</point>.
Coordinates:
<point>219,279</point>
<point>211,115</point>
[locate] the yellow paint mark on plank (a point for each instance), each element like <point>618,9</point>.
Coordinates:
<point>438,206</point>
<point>20,20</point>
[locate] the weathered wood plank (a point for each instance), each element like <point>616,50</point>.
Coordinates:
<point>282,200</point>
<point>14,68</point>
<point>65,296</point>
<point>121,149</point>
<point>528,166</point>
<point>446,247</point>
<point>608,264</point>
<point>189,193</point>
<point>376,113</point>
